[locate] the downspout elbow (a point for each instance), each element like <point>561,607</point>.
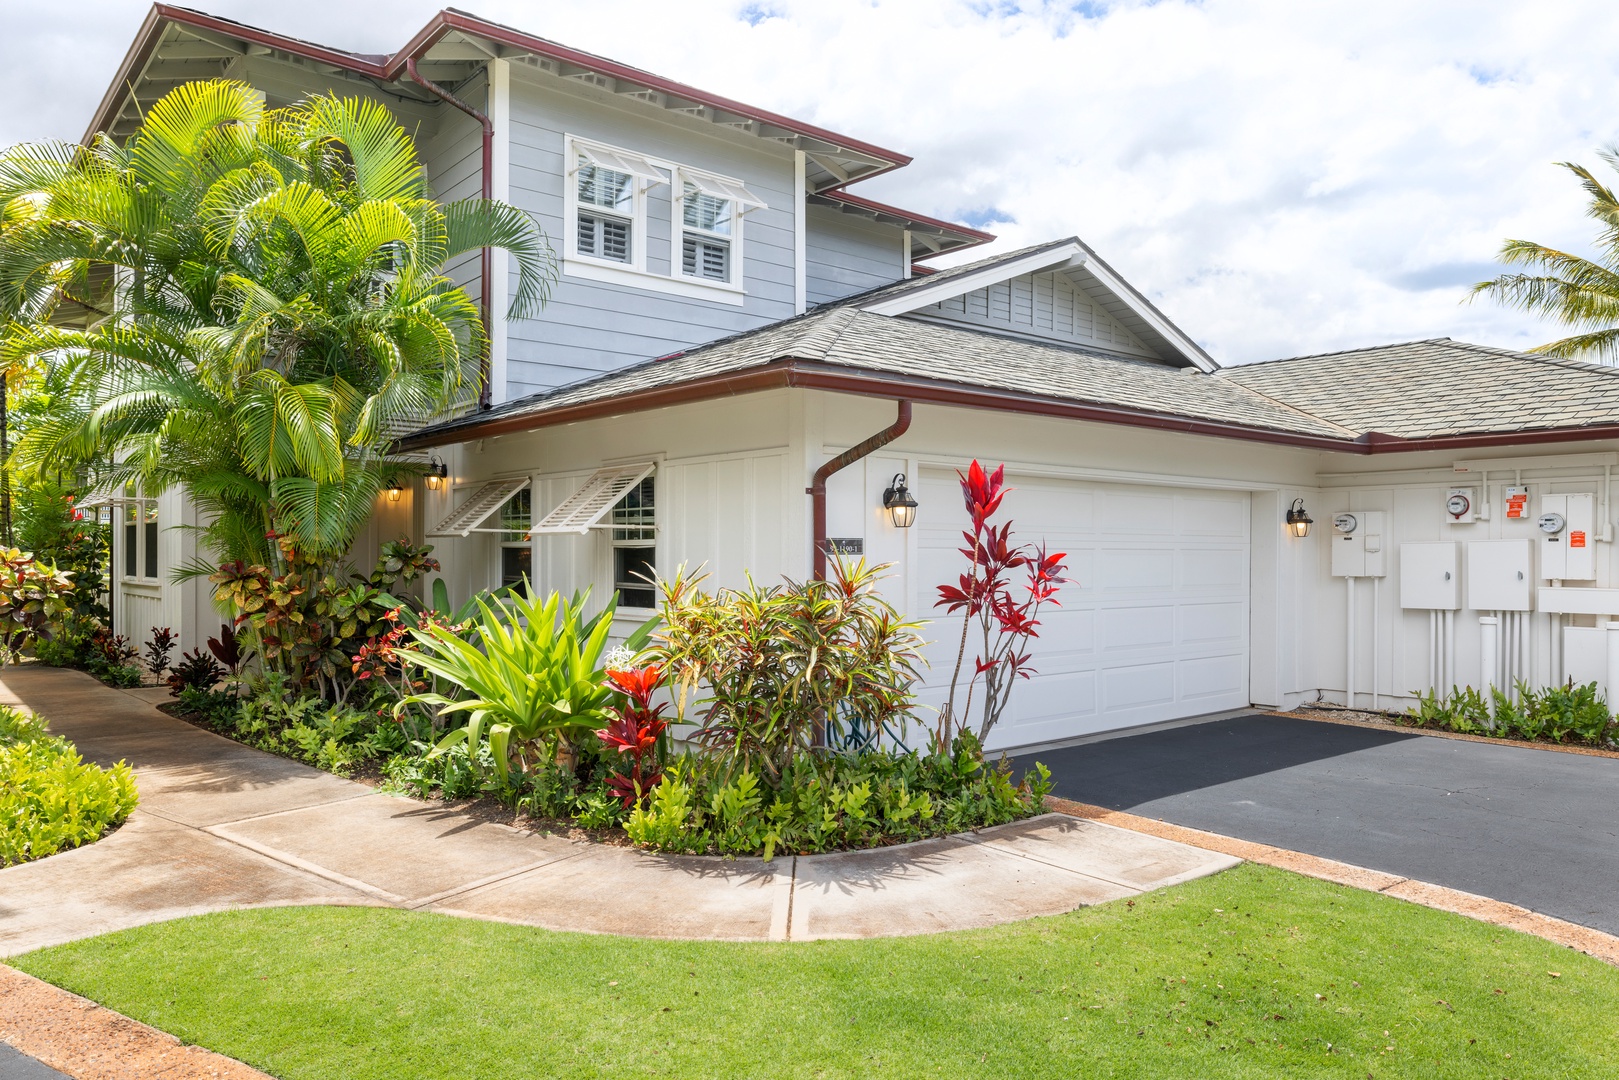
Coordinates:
<point>817,488</point>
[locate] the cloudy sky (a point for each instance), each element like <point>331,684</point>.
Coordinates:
<point>1280,177</point>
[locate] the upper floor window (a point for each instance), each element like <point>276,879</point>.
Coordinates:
<point>621,206</point>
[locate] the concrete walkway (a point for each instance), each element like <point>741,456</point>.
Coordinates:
<point>221,826</point>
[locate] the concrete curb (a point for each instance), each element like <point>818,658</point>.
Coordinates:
<point>1496,912</point>
<point>74,1035</point>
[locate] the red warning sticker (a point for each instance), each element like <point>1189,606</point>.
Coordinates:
<point>1576,539</point>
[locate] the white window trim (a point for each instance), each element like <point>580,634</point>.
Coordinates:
<point>704,183</point>
<point>572,149</point>
<point>140,502</point>
<point>656,544</point>
<point>634,274</point>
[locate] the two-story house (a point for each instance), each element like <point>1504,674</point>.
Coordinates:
<point>742,361</point>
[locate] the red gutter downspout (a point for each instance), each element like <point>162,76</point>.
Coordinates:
<point>817,490</point>
<point>485,374</point>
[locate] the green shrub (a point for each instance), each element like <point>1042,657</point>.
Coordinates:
<point>848,801</point>
<point>788,666</point>
<point>219,709</point>
<point>120,675</point>
<point>1565,713</point>
<point>50,798</point>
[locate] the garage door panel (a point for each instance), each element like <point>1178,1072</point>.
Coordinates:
<point>1134,569</point>
<point>1208,624</point>
<point>1213,568</point>
<point>1137,627</point>
<point>1212,516</point>
<point>1138,685</point>
<point>1212,677</point>
<point>1154,624</point>
<point>1136,513</point>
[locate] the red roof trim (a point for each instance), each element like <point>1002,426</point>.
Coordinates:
<point>151,32</point>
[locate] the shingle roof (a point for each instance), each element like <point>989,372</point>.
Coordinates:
<point>861,341</point>
<point>1422,389</point>
<point>1416,390</point>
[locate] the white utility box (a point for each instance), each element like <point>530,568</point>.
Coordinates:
<point>1567,530</point>
<point>1577,601</point>
<point>1357,544</point>
<point>1499,574</point>
<point>1430,576</point>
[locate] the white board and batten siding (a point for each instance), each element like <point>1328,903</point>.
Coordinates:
<point>1154,625</point>
<point>1049,306</point>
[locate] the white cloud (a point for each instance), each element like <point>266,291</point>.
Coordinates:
<point>1280,177</point>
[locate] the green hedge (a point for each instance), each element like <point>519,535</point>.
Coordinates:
<point>50,798</point>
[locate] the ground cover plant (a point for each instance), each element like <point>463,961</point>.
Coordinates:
<point>50,798</point>
<point>1252,973</point>
<point>1577,715</point>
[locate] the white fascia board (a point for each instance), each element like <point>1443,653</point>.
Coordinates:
<point>925,295</point>
<point>1150,315</point>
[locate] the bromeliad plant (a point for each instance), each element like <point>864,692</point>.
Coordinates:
<point>637,732</point>
<point>1006,610</point>
<point>531,673</point>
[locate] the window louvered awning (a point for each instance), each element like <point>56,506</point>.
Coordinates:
<point>584,509</point>
<point>621,161</point>
<point>723,189</point>
<point>477,508</point>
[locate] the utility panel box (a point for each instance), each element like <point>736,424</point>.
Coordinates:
<point>1585,656</point>
<point>1357,544</point>
<point>1430,576</point>
<point>1499,574</point>
<point>1461,505</point>
<point>1567,530</point>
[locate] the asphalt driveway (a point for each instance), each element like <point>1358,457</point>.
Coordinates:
<point>1531,827</point>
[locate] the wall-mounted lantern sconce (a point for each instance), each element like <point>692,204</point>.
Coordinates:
<point>899,502</point>
<point>437,473</point>
<point>394,492</point>
<point>1298,521</point>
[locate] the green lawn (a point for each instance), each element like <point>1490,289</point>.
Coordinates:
<point>1251,973</point>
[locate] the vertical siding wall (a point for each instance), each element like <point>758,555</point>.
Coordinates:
<point>1047,306</point>
<point>1411,491</point>
<point>590,327</point>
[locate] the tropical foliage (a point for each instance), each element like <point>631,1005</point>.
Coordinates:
<point>1562,714</point>
<point>33,601</point>
<point>772,673</point>
<point>1579,293</point>
<point>530,675</point>
<point>267,302</point>
<point>1003,604</point>
<point>50,798</point>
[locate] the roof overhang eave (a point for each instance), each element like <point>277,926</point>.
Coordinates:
<point>793,373</point>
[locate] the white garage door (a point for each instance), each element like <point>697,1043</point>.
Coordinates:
<point>1154,624</point>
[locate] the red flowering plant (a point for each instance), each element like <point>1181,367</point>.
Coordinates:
<point>1001,592</point>
<point>636,730</point>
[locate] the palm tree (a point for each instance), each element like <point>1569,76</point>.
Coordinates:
<point>281,311</point>
<point>1571,290</point>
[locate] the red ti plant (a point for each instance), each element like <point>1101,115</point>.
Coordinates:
<point>635,731</point>
<point>1002,591</point>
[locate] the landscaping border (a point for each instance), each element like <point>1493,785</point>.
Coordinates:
<point>1325,716</point>
<point>1595,943</point>
<point>87,1041</point>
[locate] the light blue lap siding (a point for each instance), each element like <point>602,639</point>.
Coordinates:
<point>593,326</point>
<point>846,254</point>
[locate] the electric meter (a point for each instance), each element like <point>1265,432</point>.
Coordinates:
<point>1458,505</point>
<point>1345,523</point>
<point>1551,524</point>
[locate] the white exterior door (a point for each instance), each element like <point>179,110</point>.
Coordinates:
<point>1153,625</point>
